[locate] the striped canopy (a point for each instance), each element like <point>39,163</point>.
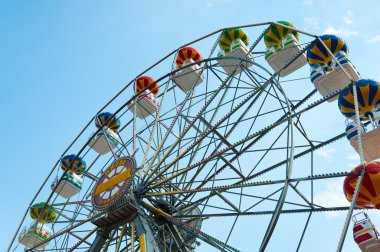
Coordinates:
<point>76,165</point>
<point>230,35</point>
<point>317,53</point>
<point>368,96</point>
<point>185,53</point>
<point>43,212</point>
<point>351,131</point>
<point>276,33</point>
<point>369,194</point>
<point>145,81</point>
<point>109,120</point>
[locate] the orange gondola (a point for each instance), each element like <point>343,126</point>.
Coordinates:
<point>145,81</point>
<point>186,53</point>
<point>369,194</point>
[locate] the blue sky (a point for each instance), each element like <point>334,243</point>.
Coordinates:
<point>61,61</point>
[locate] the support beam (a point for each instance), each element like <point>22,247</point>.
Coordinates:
<point>100,239</point>
<point>145,234</point>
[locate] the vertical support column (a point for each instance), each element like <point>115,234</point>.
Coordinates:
<point>145,234</point>
<point>132,230</point>
<point>101,237</point>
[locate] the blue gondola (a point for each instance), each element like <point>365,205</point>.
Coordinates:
<point>107,139</point>
<point>368,92</point>
<point>327,75</point>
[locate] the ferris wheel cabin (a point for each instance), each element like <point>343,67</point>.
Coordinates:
<point>70,185</point>
<point>235,58</point>
<point>365,234</point>
<point>330,82</point>
<point>38,232</point>
<point>331,70</point>
<point>146,105</point>
<point>104,141</point>
<point>189,76</point>
<point>34,235</point>
<point>368,93</point>
<point>370,138</point>
<point>278,59</point>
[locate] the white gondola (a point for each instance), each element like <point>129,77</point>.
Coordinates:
<point>146,105</point>
<point>329,83</point>
<point>104,141</point>
<point>277,60</point>
<point>370,143</point>
<point>365,234</point>
<point>237,57</point>
<point>186,78</point>
<point>70,185</point>
<point>370,139</point>
<point>34,235</point>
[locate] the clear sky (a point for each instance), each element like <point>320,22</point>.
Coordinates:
<point>60,61</point>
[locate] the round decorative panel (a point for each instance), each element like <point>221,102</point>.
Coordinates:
<point>115,182</point>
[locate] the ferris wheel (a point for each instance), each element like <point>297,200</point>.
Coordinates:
<point>207,150</point>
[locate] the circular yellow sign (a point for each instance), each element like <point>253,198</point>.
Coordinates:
<point>114,183</point>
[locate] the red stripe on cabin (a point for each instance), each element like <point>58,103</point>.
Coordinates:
<point>358,228</point>
<point>189,52</point>
<point>181,55</point>
<point>364,197</point>
<point>363,238</point>
<point>179,62</point>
